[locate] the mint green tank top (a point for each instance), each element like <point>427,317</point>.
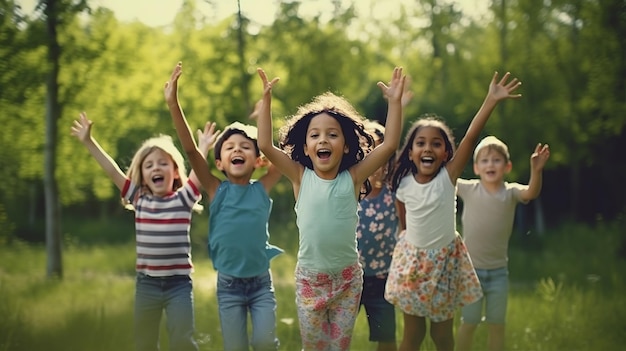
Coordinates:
<point>327,218</point>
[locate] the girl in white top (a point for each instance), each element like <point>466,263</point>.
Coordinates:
<point>326,156</point>
<point>431,273</point>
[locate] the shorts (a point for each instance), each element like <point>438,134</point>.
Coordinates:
<point>495,285</point>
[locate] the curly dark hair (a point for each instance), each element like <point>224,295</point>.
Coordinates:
<point>292,135</point>
<point>403,165</point>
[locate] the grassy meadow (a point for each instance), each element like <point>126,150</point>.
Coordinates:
<point>567,293</point>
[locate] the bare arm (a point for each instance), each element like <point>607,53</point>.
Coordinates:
<point>273,175</point>
<point>401,212</point>
<point>498,90</point>
<point>393,129</point>
<point>197,158</point>
<point>82,130</point>
<point>291,169</point>
<point>537,161</point>
<point>206,141</point>
<point>270,178</point>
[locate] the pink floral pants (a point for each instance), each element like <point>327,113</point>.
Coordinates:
<point>328,304</point>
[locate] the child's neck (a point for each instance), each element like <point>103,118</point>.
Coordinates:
<point>327,175</point>
<point>492,187</point>
<point>374,192</point>
<point>239,180</point>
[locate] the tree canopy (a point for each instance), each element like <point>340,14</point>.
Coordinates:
<point>570,56</point>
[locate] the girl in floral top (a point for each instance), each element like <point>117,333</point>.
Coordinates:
<point>376,235</point>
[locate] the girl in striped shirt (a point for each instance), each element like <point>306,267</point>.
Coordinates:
<point>157,189</point>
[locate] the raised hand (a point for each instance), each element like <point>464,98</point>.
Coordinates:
<point>82,127</point>
<point>500,90</point>
<point>257,110</point>
<point>394,91</point>
<point>407,94</point>
<point>208,137</point>
<point>267,85</point>
<point>539,158</point>
<point>171,86</point>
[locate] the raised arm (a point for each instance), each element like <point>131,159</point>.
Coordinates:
<point>273,175</point>
<point>81,129</point>
<point>537,161</point>
<point>498,90</point>
<point>276,156</point>
<point>197,158</point>
<point>393,129</point>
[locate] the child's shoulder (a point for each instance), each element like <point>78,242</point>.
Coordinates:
<point>514,187</point>
<point>468,182</point>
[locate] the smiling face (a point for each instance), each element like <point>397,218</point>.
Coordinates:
<point>491,166</point>
<point>325,145</point>
<point>238,158</point>
<point>158,172</point>
<point>428,153</point>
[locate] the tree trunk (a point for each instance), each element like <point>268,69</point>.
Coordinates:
<point>53,210</point>
<point>241,51</point>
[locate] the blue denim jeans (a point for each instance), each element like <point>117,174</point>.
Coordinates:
<point>237,296</point>
<point>381,315</point>
<point>174,294</point>
<point>495,285</point>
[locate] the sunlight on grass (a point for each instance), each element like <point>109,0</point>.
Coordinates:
<point>568,295</point>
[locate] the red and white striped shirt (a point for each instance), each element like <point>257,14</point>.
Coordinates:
<point>162,230</point>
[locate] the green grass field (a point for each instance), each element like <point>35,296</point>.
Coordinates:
<point>568,293</point>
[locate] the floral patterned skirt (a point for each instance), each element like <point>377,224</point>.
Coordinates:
<point>432,283</point>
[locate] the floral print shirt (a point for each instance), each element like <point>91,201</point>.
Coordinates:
<point>376,232</point>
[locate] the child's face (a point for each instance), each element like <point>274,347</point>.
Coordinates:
<point>491,165</point>
<point>428,152</point>
<point>238,157</point>
<point>325,145</point>
<point>158,172</point>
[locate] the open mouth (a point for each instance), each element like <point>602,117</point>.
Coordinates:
<point>158,179</point>
<point>427,160</point>
<point>323,154</point>
<point>237,160</point>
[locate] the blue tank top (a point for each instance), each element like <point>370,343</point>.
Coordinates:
<point>238,230</point>
<point>327,217</point>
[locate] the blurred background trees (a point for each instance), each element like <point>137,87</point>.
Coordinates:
<point>570,55</point>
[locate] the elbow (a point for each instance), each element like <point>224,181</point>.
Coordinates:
<point>264,145</point>
<point>193,152</point>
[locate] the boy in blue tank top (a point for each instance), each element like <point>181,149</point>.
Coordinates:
<point>238,227</point>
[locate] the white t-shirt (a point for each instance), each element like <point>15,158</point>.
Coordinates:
<point>430,210</point>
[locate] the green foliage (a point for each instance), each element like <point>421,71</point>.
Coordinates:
<point>568,54</point>
<point>575,304</point>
